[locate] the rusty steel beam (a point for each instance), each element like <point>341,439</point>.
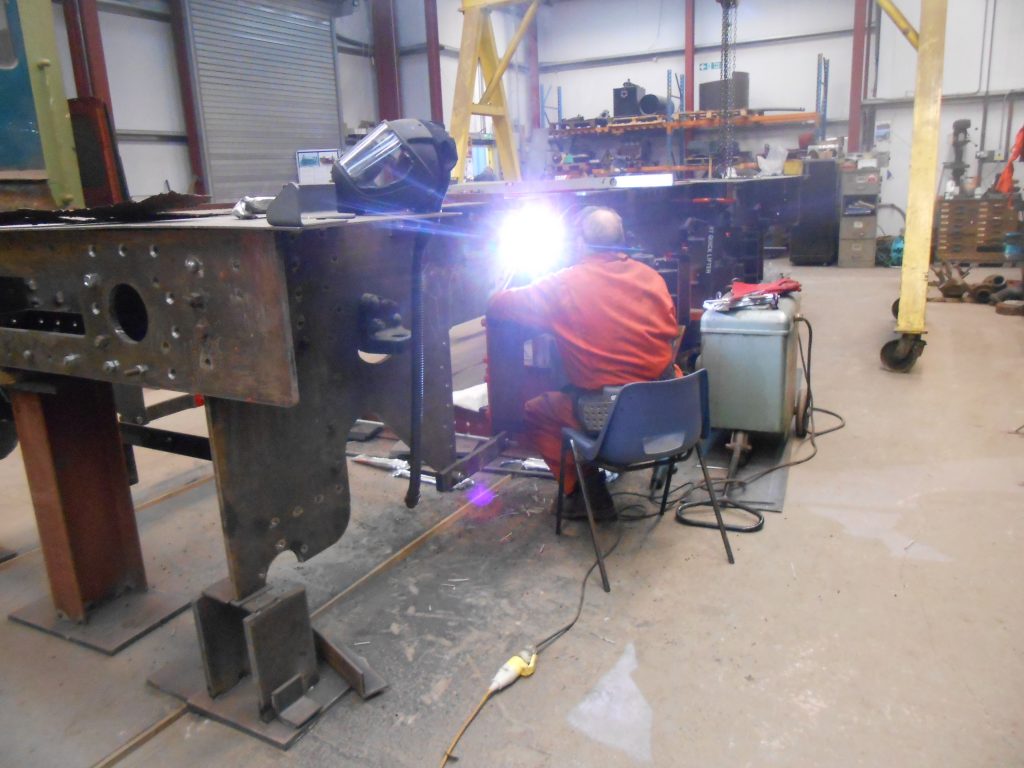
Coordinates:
<point>385,59</point>
<point>79,485</point>
<point>434,61</point>
<point>82,19</point>
<point>182,61</point>
<point>857,67</point>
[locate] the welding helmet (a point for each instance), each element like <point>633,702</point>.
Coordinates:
<point>401,165</point>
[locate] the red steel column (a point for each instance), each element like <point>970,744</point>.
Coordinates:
<point>860,16</point>
<point>188,98</point>
<point>691,35</point>
<point>385,58</point>
<point>82,19</point>
<point>533,75</point>
<point>434,61</point>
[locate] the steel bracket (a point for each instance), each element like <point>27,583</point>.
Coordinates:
<point>267,671</point>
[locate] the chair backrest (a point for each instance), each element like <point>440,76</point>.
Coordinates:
<point>656,419</point>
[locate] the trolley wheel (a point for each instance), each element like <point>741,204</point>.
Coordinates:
<point>896,310</point>
<point>802,420</point>
<point>900,354</point>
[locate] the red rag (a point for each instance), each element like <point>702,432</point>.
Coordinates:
<point>781,286</point>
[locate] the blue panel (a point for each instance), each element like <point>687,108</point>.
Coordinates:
<point>20,146</point>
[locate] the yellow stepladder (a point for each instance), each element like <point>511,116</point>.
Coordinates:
<point>901,353</point>
<point>479,50</point>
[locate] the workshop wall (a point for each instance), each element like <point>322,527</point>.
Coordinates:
<point>146,98</point>
<point>982,56</point>
<point>357,84</point>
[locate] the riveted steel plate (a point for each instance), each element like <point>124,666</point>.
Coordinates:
<point>174,307</point>
<point>281,473</point>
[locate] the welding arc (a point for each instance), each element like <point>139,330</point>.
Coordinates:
<point>412,496</point>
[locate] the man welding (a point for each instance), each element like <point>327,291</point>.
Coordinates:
<point>613,322</point>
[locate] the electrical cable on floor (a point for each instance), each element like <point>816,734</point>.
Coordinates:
<point>725,502</point>
<point>519,666</point>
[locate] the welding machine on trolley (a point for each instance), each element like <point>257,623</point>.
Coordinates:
<point>751,358</point>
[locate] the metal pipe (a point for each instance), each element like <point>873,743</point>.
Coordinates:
<point>433,61</point>
<point>691,44</point>
<point>179,31</point>
<point>860,12</point>
<point>627,58</point>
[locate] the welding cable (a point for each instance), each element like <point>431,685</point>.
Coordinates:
<point>412,495</point>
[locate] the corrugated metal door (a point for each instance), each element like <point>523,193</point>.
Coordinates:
<point>266,87</point>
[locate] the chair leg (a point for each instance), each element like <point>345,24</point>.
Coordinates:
<point>561,490</point>
<point>714,504</point>
<point>590,519</point>
<point>668,485</point>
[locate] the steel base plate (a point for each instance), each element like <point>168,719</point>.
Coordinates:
<point>112,626</point>
<point>239,707</point>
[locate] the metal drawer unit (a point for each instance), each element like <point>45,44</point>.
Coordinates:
<point>858,222</point>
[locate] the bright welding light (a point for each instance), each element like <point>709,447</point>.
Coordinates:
<point>532,240</point>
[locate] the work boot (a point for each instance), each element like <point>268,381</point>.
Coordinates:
<point>601,501</point>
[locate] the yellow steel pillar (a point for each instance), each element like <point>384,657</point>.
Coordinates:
<point>479,50</point>
<point>901,354</point>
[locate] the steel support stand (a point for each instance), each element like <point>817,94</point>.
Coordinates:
<point>265,670</point>
<point>78,480</point>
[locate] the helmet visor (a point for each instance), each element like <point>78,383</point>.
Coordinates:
<point>379,160</point>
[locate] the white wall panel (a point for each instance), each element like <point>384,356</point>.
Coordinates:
<point>358,88</point>
<point>148,165</point>
<point>64,51</point>
<point>143,77</point>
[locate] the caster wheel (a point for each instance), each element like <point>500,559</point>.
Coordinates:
<point>802,420</point>
<point>896,310</point>
<point>900,354</point>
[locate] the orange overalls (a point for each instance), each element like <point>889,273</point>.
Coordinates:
<point>613,322</point>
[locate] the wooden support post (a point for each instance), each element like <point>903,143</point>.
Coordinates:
<point>79,485</point>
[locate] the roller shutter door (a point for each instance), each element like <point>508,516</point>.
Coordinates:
<point>265,85</point>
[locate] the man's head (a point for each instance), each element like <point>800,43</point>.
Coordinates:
<point>598,230</point>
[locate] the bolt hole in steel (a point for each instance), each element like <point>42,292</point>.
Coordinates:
<point>172,374</point>
<point>122,251</point>
<point>128,311</point>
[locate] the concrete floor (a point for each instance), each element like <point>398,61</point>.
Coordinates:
<point>877,621</point>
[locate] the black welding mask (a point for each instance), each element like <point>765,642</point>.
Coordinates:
<point>401,165</point>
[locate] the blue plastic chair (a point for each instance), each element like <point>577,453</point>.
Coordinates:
<point>650,423</point>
